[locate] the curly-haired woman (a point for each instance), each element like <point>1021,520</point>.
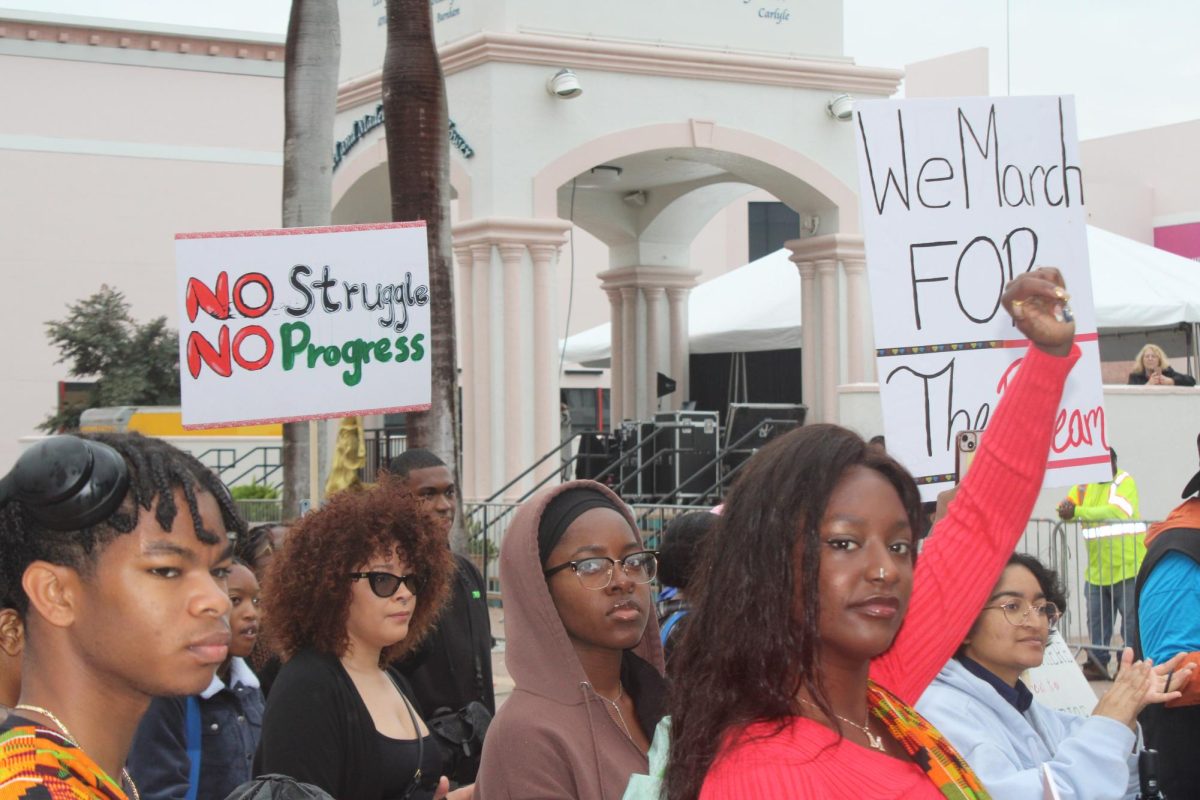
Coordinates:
<point>1153,368</point>
<point>813,627</point>
<point>357,584</point>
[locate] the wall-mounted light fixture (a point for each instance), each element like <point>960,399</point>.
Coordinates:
<point>841,107</point>
<point>564,84</point>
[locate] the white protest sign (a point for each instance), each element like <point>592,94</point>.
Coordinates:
<point>958,196</point>
<point>303,323</point>
<point>1059,682</point>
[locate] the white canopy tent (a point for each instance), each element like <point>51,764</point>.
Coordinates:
<point>757,306</point>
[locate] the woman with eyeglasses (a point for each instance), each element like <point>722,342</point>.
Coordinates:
<point>582,648</point>
<point>979,702</point>
<point>357,584</point>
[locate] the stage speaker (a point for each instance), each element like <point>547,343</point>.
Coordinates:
<point>767,420</point>
<point>687,450</point>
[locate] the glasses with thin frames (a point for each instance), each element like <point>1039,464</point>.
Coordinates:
<point>1017,612</point>
<point>597,572</point>
<point>385,584</point>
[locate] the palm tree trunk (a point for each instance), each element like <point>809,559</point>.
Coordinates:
<point>310,103</point>
<point>414,105</point>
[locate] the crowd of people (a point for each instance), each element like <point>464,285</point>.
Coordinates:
<point>152,647</point>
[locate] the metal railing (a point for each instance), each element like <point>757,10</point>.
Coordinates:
<point>259,512</point>
<point>383,444</point>
<point>257,465</point>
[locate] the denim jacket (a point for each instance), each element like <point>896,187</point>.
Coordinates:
<point>231,724</point>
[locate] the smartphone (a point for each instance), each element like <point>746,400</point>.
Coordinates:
<point>966,444</point>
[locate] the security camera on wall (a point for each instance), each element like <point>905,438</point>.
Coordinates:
<point>564,84</point>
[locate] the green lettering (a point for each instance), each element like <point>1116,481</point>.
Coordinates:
<point>355,352</point>
<point>418,349</point>
<point>315,351</point>
<point>383,350</point>
<point>401,349</point>
<point>293,346</point>
<point>332,356</point>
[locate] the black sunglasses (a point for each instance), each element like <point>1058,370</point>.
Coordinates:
<point>385,584</point>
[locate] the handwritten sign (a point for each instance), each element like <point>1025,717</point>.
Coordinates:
<point>958,196</point>
<point>303,323</point>
<point>1059,682</point>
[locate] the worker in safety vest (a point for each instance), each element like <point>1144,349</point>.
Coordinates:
<point>1115,551</point>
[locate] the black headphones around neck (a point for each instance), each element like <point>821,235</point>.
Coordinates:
<point>67,483</point>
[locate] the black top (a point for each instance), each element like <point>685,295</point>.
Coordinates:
<point>453,666</point>
<point>317,729</point>
<point>400,763</point>
<point>1180,378</point>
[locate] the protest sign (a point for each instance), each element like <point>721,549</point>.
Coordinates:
<point>303,323</point>
<point>958,196</point>
<point>1058,682</point>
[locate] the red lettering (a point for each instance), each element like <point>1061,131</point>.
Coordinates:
<point>199,350</point>
<point>215,304</point>
<point>260,332</point>
<point>1082,427</point>
<point>240,286</point>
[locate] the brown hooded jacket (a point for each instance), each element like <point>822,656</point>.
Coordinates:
<point>554,738</point>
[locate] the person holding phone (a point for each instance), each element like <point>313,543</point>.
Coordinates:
<point>1152,368</point>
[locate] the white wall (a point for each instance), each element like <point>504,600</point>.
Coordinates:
<point>103,163</point>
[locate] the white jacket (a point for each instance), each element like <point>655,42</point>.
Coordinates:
<point>1092,758</point>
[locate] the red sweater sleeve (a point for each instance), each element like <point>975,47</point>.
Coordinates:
<point>963,558</point>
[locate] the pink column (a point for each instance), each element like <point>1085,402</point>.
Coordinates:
<point>466,340</point>
<point>827,276</point>
<point>857,314</point>
<point>653,296</point>
<point>677,316</point>
<point>546,431</point>
<point>512,255</point>
<point>616,358</point>
<point>481,292</point>
<point>629,382</point>
<point>809,338</point>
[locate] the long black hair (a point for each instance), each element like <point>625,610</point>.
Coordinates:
<point>753,641</point>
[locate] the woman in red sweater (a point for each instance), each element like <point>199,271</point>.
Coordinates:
<point>798,673</point>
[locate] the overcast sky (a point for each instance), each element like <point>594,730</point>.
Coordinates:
<point>1130,64</point>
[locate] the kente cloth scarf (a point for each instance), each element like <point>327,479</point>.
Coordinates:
<point>40,763</point>
<point>931,751</point>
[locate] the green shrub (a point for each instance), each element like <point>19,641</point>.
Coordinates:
<point>254,491</point>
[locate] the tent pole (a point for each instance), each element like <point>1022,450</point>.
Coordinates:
<point>1194,350</point>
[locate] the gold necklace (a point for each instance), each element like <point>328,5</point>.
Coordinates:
<point>875,742</point>
<point>617,708</point>
<point>74,742</point>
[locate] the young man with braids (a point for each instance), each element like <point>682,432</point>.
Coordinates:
<point>453,666</point>
<point>117,550</point>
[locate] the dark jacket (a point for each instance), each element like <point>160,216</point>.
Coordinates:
<point>230,722</point>
<point>317,729</point>
<point>453,666</point>
<point>1180,378</point>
